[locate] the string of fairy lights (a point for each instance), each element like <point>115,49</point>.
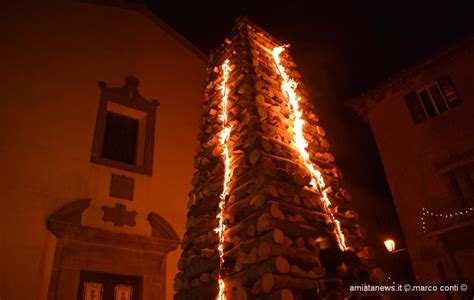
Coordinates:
<point>442,216</point>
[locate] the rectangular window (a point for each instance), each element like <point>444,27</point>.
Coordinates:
<point>432,100</point>
<point>449,91</point>
<point>414,106</point>
<point>428,103</point>
<point>120,139</point>
<point>463,184</point>
<point>438,98</point>
<point>124,134</point>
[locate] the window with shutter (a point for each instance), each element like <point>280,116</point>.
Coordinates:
<point>414,107</point>
<point>448,90</point>
<point>432,100</point>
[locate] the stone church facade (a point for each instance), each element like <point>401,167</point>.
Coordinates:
<point>99,117</point>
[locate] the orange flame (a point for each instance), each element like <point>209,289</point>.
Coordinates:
<point>223,139</point>
<point>288,86</point>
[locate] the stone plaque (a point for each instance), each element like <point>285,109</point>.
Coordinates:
<point>122,187</point>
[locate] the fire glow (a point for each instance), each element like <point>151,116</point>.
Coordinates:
<point>223,139</point>
<point>288,87</point>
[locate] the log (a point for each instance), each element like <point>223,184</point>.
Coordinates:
<point>251,230</point>
<point>271,282</point>
<point>276,212</point>
<point>258,200</point>
<point>203,227</point>
<point>298,272</point>
<point>181,264</point>
<point>210,204</point>
<point>251,273</point>
<point>199,266</point>
<point>266,145</point>
<point>206,252</point>
<point>254,156</point>
<point>243,258</point>
<point>277,264</point>
<point>268,167</point>
<point>205,277</point>
<point>281,264</point>
<point>203,291</point>
<point>296,256</point>
<point>290,229</point>
<point>285,294</point>
<point>239,206</point>
<point>205,240</point>
<point>178,284</point>
<point>240,228</point>
<point>195,282</point>
<point>300,243</point>
<point>275,236</point>
<point>287,242</point>
<point>271,190</point>
<point>240,293</point>
<point>262,112</point>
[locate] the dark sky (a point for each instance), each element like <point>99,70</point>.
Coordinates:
<point>367,39</point>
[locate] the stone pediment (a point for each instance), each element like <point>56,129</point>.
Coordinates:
<point>66,223</point>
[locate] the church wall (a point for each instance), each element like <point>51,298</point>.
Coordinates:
<point>55,53</point>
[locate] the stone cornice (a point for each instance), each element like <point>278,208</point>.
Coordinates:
<point>66,225</point>
<point>75,232</point>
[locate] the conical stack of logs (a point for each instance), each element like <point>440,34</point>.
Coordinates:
<point>284,233</point>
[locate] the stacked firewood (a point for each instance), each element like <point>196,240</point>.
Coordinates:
<point>279,241</point>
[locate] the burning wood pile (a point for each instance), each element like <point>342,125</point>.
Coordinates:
<point>268,216</point>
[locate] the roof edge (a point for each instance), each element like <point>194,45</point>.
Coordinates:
<point>141,7</point>
<point>363,103</point>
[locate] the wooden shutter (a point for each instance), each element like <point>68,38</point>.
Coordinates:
<point>414,107</point>
<point>448,90</point>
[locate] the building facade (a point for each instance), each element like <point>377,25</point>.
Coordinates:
<point>423,124</point>
<point>98,123</point>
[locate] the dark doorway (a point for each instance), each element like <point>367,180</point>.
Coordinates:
<point>102,286</point>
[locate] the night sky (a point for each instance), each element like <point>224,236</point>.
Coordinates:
<point>366,40</point>
<point>342,49</point>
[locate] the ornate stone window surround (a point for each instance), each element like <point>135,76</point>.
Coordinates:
<point>128,102</point>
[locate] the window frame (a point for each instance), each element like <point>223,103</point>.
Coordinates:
<point>427,88</point>
<point>129,97</point>
<point>415,103</point>
<point>132,125</point>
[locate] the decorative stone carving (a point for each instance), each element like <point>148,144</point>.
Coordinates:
<point>70,213</point>
<point>119,215</point>
<point>99,249</point>
<point>127,96</point>
<point>160,228</point>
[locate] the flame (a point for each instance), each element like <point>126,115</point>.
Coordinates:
<point>223,139</point>
<point>288,87</point>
